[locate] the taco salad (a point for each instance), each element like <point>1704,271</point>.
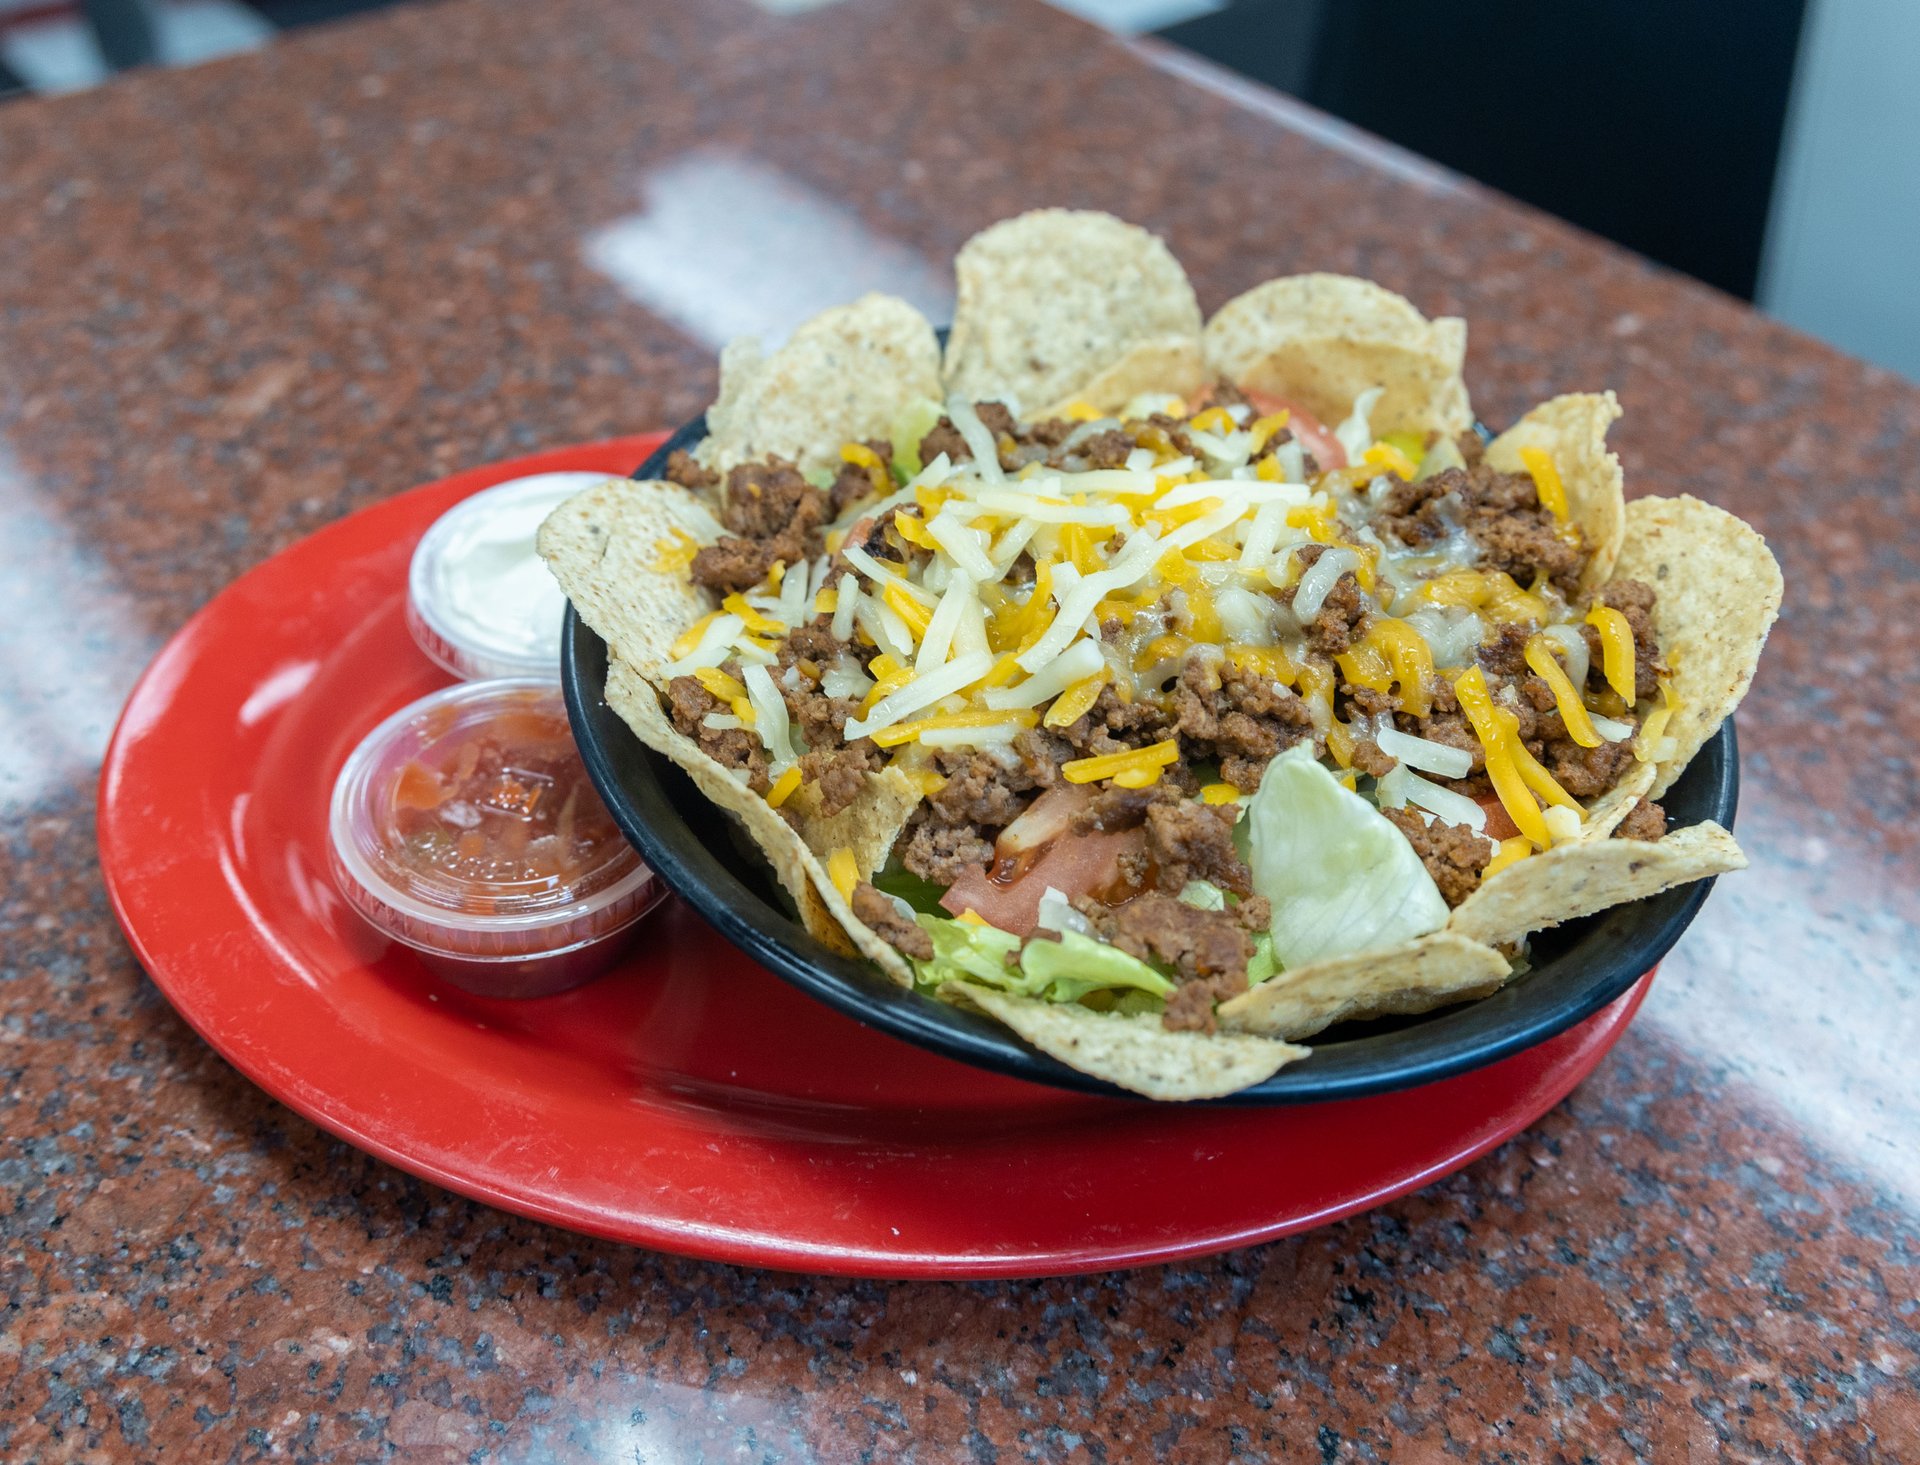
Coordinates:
<point>1169,690</point>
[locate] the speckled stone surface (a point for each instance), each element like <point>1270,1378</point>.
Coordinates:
<point>239,301</point>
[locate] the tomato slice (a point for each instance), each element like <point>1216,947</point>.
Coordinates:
<point>1500,823</point>
<point>1008,896</point>
<point>1314,435</point>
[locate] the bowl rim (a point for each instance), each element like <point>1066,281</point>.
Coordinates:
<point>1603,954</point>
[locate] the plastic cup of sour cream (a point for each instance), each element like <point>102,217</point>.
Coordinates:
<point>465,827</point>
<point>480,601</point>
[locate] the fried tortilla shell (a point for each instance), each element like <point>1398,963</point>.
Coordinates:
<point>1058,305</point>
<point>1579,878</point>
<point>604,547</point>
<point>1321,340</point>
<point>844,376</point>
<point>1134,1052</point>
<point>1573,431</point>
<point>826,916</point>
<point>1417,976</point>
<point>1719,591</point>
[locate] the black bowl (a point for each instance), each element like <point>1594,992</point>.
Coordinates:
<point>1577,969</point>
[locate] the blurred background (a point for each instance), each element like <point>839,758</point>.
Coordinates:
<point>1769,148</point>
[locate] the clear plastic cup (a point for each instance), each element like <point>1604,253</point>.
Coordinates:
<point>480,602</point>
<point>464,826</point>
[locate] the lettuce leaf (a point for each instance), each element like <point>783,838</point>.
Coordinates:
<point>1067,969</point>
<point>1059,971</point>
<point>911,424</point>
<point>1340,877</point>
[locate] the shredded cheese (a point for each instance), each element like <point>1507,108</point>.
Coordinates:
<point>1074,703</point>
<point>1510,852</point>
<point>1219,793</point>
<point>1616,649</point>
<point>843,872</point>
<point>674,554</point>
<point>783,786</point>
<point>751,619</point>
<point>1546,481</point>
<point>910,732</point>
<point>1497,742</point>
<point>1134,763</point>
<point>1573,711</point>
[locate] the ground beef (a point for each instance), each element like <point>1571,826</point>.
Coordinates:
<point>1504,654</point>
<point>1646,820</point>
<point>878,912</point>
<point>1112,726</point>
<point>1335,626</point>
<point>1500,511</point>
<point>1586,773</point>
<point>689,472</point>
<point>815,641</point>
<point>775,517</point>
<point>1115,808</point>
<point>1049,432</point>
<point>1368,758</point>
<point>1453,854</point>
<point>1109,449</point>
<point>942,853</point>
<point>955,828</point>
<point>1041,751</point>
<point>854,483</point>
<point>945,438</point>
<point>1207,951</point>
<point>1634,600</point>
<point>1254,913</point>
<point>688,703</point>
<point>1190,841</point>
<point>1412,512</point>
<point>1238,718</point>
<point>840,773</point>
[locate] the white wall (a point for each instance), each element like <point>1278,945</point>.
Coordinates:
<point>1842,257</point>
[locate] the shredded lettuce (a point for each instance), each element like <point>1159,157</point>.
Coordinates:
<point>922,895</point>
<point>910,425</point>
<point>1067,969</point>
<point>1059,971</point>
<point>1203,896</point>
<point>1263,963</point>
<point>1341,878</point>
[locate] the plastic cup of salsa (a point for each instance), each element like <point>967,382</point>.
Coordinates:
<point>465,827</point>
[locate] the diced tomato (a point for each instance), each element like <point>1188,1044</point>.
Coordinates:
<point>1500,824</point>
<point>1075,865</point>
<point>1313,435</point>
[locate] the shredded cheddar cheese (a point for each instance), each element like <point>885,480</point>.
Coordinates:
<point>1510,852</point>
<point>843,872</point>
<point>783,786</point>
<point>1573,711</point>
<point>1477,703</point>
<point>1134,762</point>
<point>1616,649</point>
<point>1074,703</point>
<point>690,637</point>
<point>907,732</point>
<point>1264,428</point>
<point>1546,481</point>
<point>674,554</point>
<point>756,622</point>
<point>1219,793</point>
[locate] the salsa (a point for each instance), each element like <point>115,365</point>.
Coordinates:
<point>503,803</point>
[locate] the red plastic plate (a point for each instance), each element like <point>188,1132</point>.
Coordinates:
<point>690,1101</point>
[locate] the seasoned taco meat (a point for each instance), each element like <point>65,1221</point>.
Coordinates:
<point>1236,717</point>
<point>876,910</point>
<point>688,703</point>
<point>1646,820</point>
<point>775,516</point>
<point>1207,951</point>
<point>1453,854</point>
<point>1190,841</point>
<point>689,472</point>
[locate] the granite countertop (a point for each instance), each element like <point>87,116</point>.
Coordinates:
<point>239,301</point>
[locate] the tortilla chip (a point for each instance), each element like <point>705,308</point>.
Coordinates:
<point>1719,592</point>
<point>1606,812</point>
<point>1058,305</point>
<point>844,376</point>
<point>1135,1052</point>
<point>602,545</point>
<point>826,916</point>
<point>1577,879</point>
<point>1321,340</point>
<point>1417,976</point>
<point>1573,430</point>
<point>867,827</point>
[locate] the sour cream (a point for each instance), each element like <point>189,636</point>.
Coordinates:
<point>480,601</point>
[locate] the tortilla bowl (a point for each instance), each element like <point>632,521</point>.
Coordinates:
<point>1576,968</point>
